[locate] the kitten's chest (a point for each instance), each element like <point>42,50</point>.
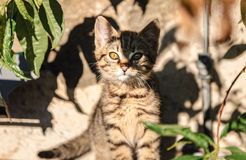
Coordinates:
<point>128,111</point>
<point>127,119</point>
<point>130,123</point>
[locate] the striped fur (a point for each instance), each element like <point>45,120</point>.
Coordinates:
<point>130,96</point>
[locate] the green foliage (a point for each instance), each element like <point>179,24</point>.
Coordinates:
<point>7,58</point>
<point>182,141</point>
<point>32,37</point>
<point>38,3</point>
<point>236,154</point>
<point>23,10</point>
<point>50,15</point>
<point>200,139</point>
<point>238,125</point>
<point>36,23</point>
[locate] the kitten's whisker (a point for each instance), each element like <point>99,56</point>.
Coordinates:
<point>98,76</point>
<point>147,83</point>
<point>144,81</point>
<point>93,64</point>
<point>140,82</point>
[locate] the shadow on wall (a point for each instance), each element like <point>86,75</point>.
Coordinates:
<point>174,84</point>
<point>28,103</point>
<point>179,91</point>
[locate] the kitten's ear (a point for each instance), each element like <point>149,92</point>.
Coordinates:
<point>151,33</point>
<point>103,31</point>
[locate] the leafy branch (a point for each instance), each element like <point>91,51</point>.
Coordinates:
<point>36,24</point>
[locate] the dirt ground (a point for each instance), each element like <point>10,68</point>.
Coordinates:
<point>55,107</point>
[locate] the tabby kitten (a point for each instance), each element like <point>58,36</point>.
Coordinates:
<point>130,96</point>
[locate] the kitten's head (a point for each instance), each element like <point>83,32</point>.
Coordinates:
<point>125,56</point>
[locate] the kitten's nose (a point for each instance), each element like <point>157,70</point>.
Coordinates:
<point>124,67</point>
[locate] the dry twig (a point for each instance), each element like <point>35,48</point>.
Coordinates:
<point>224,103</point>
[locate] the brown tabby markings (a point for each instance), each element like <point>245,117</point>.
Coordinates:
<point>126,134</point>
<point>129,97</point>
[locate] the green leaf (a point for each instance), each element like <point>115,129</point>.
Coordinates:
<point>200,139</point>
<point>243,11</point>
<point>52,19</point>
<point>33,39</point>
<point>237,125</point>
<point>188,157</point>
<point>23,10</point>
<point>38,3</point>
<point>7,59</point>
<point>2,24</point>
<point>183,141</point>
<point>236,154</point>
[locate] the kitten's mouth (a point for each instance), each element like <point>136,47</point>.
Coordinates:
<point>124,77</point>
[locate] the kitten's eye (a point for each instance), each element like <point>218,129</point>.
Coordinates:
<point>113,55</point>
<point>137,56</point>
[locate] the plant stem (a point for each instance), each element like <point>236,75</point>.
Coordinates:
<point>224,103</point>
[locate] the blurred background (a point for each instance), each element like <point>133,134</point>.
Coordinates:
<point>55,107</point>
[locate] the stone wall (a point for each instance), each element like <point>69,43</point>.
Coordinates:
<point>51,109</point>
